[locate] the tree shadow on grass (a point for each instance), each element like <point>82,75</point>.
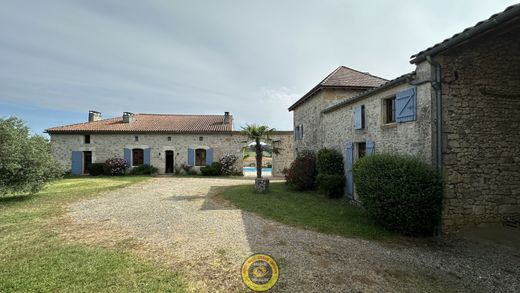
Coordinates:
<point>11,199</point>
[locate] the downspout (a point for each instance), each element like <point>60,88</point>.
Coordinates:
<point>436,85</point>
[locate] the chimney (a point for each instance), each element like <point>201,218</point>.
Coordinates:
<point>94,116</point>
<point>128,117</point>
<point>226,117</point>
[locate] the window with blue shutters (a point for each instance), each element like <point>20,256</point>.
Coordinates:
<point>359,117</point>
<point>349,161</point>
<point>209,157</point>
<point>406,105</point>
<point>147,156</point>
<point>370,148</point>
<point>191,157</point>
<point>128,156</point>
<point>301,132</point>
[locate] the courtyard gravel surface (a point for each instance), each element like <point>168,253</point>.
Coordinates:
<point>180,223</point>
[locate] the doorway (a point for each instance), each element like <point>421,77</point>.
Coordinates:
<point>169,162</point>
<point>87,161</point>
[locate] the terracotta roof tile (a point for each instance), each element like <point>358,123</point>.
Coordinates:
<point>153,123</point>
<point>343,77</point>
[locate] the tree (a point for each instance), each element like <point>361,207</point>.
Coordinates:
<point>26,162</point>
<point>258,133</point>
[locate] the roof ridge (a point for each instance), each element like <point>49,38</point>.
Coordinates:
<point>159,114</point>
<point>366,73</point>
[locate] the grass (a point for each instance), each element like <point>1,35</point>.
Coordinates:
<point>33,258</point>
<point>307,210</point>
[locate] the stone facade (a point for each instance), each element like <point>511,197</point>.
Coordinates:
<point>481,130</point>
<point>309,115</point>
<point>104,146</point>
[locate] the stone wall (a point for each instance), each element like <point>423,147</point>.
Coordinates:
<point>309,115</point>
<point>104,146</point>
<point>481,95</point>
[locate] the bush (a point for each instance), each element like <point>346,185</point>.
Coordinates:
<point>214,170</point>
<point>302,173</point>
<point>401,194</point>
<point>332,185</point>
<point>96,169</point>
<point>144,170</point>
<point>115,166</point>
<point>228,162</point>
<point>26,162</point>
<point>329,161</point>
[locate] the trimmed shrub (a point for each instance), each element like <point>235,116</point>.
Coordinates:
<point>144,170</point>
<point>329,161</point>
<point>96,169</point>
<point>214,170</point>
<point>115,166</point>
<point>228,162</point>
<point>302,173</point>
<point>399,193</point>
<point>332,185</point>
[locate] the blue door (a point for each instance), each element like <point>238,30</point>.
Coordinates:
<point>349,160</point>
<point>77,163</point>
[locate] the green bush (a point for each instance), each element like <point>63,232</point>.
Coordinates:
<point>302,173</point>
<point>144,170</point>
<point>96,169</point>
<point>329,161</point>
<point>332,185</point>
<point>399,193</point>
<point>26,162</point>
<point>214,170</point>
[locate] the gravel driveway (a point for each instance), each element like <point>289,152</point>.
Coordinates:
<point>178,222</point>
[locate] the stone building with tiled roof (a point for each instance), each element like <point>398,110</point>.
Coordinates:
<point>459,110</point>
<point>162,140</point>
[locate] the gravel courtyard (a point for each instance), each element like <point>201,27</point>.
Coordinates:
<point>180,223</point>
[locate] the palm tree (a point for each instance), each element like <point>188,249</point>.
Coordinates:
<point>258,133</point>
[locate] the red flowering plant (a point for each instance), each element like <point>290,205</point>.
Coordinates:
<point>115,166</point>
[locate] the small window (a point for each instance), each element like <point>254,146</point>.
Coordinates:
<point>137,157</point>
<point>201,138</point>
<point>169,138</point>
<point>136,138</point>
<point>200,157</point>
<point>363,116</point>
<point>87,139</point>
<point>362,149</point>
<point>389,110</point>
<point>296,132</point>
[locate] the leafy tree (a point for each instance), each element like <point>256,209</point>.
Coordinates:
<point>26,162</point>
<point>259,133</point>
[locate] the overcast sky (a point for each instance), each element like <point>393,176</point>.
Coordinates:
<point>59,59</point>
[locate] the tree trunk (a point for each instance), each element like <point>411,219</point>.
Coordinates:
<point>258,148</point>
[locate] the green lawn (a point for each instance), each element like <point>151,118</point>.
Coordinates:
<point>34,259</point>
<point>305,209</point>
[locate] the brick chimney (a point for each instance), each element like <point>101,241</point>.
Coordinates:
<point>226,117</point>
<point>128,117</point>
<point>94,116</point>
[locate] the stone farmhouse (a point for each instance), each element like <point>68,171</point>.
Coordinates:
<point>458,110</point>
<point>164,141</point>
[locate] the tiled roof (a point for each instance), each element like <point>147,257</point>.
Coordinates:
<point>401,79</point>
<point>153,123</point>
<point>343,77</point>
<point>507,15</point>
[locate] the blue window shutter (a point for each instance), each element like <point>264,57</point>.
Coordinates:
<point>349,160</point>
<point>357,118</point>
<point>128,156</point>
<point>406,105</point>
<point>77,163</point>
<point>147,156</point>
<point>191,157</point>
<point>370,148</point>
<point>209,157</point>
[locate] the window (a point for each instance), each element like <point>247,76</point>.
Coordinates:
<point>389,110</point>
<point>359,117</point>
<point>362,116</point>
<point>296,132</point>
<point>200,157</point>
<point>169,138</point>
<point>136,138</point>
<point>137,157</point>
<point>201,138</point>
<point>87,139</point>
<point>362,149</point>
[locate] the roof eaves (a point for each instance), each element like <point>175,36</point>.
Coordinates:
<point>403,78</point>
<point>508,14</point>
